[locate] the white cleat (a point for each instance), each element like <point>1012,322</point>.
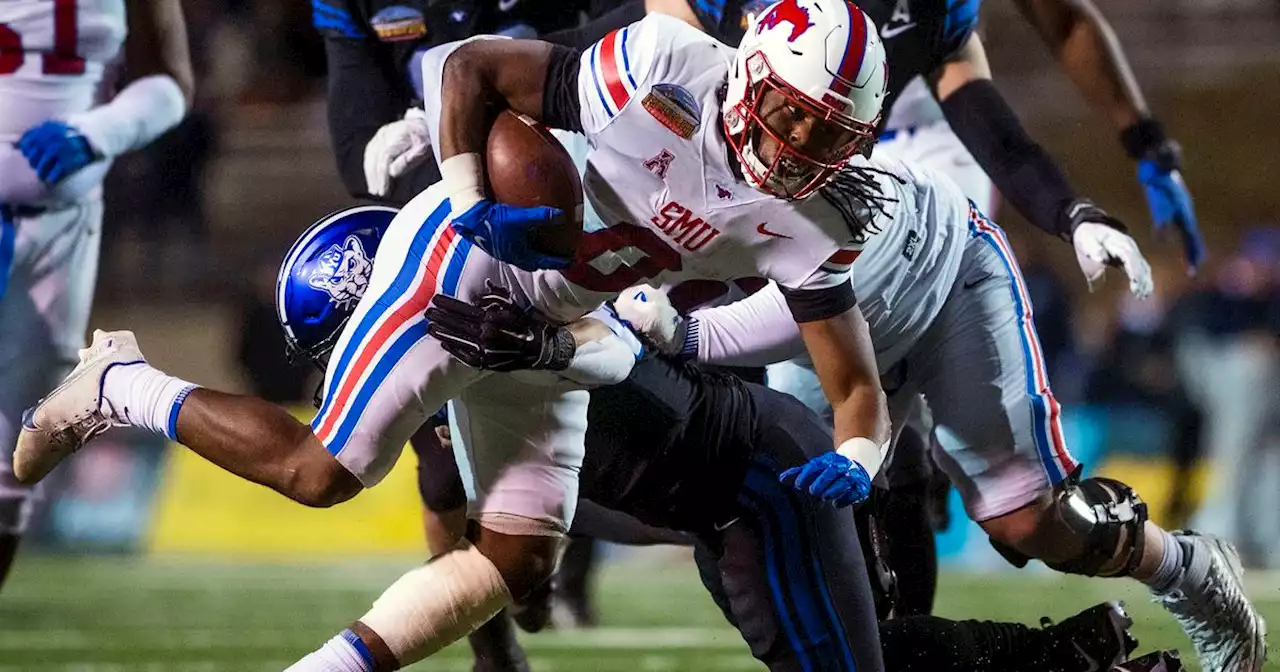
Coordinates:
<point>1210,605</point>
<point>74,412</point>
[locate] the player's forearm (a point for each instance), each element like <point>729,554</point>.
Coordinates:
<point>605,350</point>
<point>1086,47</point>
<point>1021,169</point>
<point>142,112</point>
<point>756,331</point>
<point>507,73</point>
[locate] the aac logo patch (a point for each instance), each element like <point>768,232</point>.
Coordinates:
<point>674,107</point>
<point>398,23</point>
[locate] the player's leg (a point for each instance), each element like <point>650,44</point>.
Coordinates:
<point>373,403</point>
<point>792,568</point>
<point>903,514</point>
<point>1085,642</point>
<point>980,369</point>
<point>524,447</point>
<point>48,268</point>
<point>444,515</point>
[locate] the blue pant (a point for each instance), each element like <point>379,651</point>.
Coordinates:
<point>789,572</point>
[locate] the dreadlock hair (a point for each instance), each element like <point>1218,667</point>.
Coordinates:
<point>855,193</point>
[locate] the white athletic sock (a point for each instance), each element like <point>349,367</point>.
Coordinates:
<point>1170,570</point>
<point>343,653</point>
<point>143,396</point>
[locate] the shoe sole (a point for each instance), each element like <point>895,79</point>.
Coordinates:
<point>1228,553</point>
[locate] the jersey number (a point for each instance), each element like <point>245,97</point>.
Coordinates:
<point>658,257</point>
<point>62,60</point>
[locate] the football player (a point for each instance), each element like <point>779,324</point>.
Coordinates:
<point>679,447</point>
<point>57,140</point>
<point>387,376</point>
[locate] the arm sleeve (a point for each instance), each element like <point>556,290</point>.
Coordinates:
<point>140,113</point>
<point>607,361</point>
<point>1020,168</point>
<point>365,93</point>
<point>755,331</point>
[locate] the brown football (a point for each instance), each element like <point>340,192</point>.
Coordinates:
<point>527,166</point>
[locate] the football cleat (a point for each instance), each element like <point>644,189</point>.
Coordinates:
<point>1208,601</point>
<point>74,412</point>
<point>1158,661</point>
<point>1094,639</point>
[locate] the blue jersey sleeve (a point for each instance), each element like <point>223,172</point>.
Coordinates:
<point>961,20</point>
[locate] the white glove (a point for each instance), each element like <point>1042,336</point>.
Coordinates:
<point>649,313</point>
<point>1098,246</point>
<point>395,149</point>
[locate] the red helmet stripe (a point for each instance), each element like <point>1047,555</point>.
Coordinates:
<point>854,51</point>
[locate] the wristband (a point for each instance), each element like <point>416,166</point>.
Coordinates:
<point>865,452</point>
<point>463,177</point>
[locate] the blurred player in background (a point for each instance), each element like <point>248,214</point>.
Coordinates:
<point>57,140</point>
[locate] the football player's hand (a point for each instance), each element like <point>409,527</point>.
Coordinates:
<point>55,150</point>
<point>1170,204</point>
<point>649,313</point>
<point>1101,241</point>
<point>506,233</point>
<point>395,149</point>
<point>831,477</point>
<point>496,334</point>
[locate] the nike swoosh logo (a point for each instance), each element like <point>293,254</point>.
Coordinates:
<point>766,232</point>
<point>974,283</point>
<point>890,32</point>
<point>506,5</point>
<point>722,528</point>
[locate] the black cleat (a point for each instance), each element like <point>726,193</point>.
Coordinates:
<point>1093,640</point>
<point>1159,661</point>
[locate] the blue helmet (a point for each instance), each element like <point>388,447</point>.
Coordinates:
<point>325,274</point>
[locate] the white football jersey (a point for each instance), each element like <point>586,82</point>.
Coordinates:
<point>659,177</point>
<point>53,54</point>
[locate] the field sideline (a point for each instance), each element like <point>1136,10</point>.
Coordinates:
<point>114,614</point>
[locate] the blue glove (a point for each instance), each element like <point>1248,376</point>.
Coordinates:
<point>1170,202</point>
<point>506,232</point>
<point>831,477</point>
<point>55,150</point>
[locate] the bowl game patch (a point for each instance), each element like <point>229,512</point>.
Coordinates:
<point>398,23</point>
<point>674,107</point>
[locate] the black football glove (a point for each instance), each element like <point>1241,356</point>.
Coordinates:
<point>496,334</point>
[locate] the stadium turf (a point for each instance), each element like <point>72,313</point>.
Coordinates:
<point>113,614</point>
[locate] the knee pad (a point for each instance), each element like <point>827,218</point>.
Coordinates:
<point>1109,517</point>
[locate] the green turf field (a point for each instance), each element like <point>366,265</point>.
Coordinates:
<point>118,614</point>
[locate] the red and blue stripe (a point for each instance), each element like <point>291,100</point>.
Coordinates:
<point>1046,412</point>
<point>611,71</point>
<point>391,327</point>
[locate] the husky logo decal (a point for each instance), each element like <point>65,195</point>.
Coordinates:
<point>787,11</point>
<point>343,272</point>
